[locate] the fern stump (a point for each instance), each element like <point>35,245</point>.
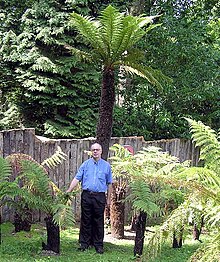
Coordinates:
<point>117,212</point>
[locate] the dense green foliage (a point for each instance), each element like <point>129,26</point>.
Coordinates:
<point>26,184</point>
<point>186,48</point>
<point>43,86</point>
<point>50,89</point>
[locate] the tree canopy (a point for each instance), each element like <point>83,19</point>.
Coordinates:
<point>43,86</point>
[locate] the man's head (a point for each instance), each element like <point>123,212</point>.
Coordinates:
<point>96,151</point>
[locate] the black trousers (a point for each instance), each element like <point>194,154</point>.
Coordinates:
<point>92,219</point>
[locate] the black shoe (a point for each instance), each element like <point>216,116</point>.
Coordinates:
<point>82,249</point>
<point>99,250</point>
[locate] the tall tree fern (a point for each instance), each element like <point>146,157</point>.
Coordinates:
<point>113,39</point>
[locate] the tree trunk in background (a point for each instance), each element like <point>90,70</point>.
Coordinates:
<point>197,230</point>
<point>104,127</point>
<point>178,240</point>
<point>22,224</point>
<point>140,226</point>
<point>53,236</point>
<point>117,211</point>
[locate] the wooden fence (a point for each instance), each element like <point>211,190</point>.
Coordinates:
<point>25,141</point>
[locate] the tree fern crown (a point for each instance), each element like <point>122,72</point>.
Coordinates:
<point>113,37</point>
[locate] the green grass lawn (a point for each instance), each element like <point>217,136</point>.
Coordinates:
<point>26,246</point>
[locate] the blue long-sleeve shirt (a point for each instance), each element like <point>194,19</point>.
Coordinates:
<point>95,176</point>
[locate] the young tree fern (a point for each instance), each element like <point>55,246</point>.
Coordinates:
<point>147,193</point>
<point>202,184</point>
<point>31,188</point>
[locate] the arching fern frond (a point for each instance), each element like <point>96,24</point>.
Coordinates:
<point>88,29</point>
<point>142,197</point>
<point>206,139</point>
<point>209,252</point>
<point>55,159</point>
<point>63,215</point>
<point>35,179</point>
<point>174,223</point>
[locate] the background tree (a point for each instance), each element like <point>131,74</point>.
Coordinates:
<point>187,50</point>
<point>49,89</point>
<point>38,72</point>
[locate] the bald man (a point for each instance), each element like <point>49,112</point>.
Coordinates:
<point>95,176</point>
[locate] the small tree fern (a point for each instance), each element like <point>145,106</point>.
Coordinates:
<point>142,171</point>
<point>203,195</point>
<point>31,188</point>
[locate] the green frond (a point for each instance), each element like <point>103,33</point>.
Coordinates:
<point>63,215</point>
<point>56,159</point>
<point>142,197</point>
<point>88,29</point>
<point>144,72</point>
<point>208,252</point>
<point>129,34</point>
<point>213,215</point>
<point>36,179</point>
<point>206,139</point>
<point>201,174</point>
<point>5,170</point>
<point>111,25</point>
<point>9,191</point>
<point>120,151</point>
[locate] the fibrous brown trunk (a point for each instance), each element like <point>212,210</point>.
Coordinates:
<point>53,236</point>
<point>140,226</point>
<point>104,127</point>
<point>117,211</point>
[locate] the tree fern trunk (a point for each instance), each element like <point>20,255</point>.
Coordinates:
<point>104,127</point>
<point>140,226</point>
<point>53,236</point>
<point>197,230</point>
<point>178,240</point>
<point>117,212</point>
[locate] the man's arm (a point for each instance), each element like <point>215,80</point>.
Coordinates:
<point>73,184</point>
<point>109,192</point>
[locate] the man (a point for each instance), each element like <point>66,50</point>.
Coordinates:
<point>96,178</point>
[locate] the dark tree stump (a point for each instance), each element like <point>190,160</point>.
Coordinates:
<point>178,241</point>
<point>22,224</point>
<point>53,236</point>
<point>197,230</point>
<point>140,226</point>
